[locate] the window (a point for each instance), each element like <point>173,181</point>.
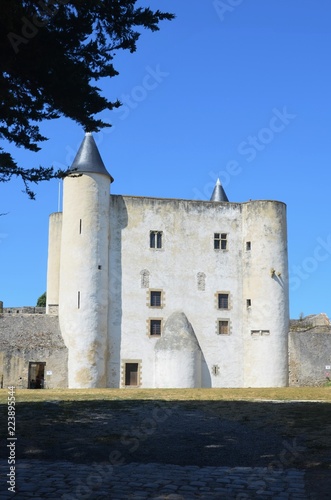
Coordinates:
<point>155,327</point>
<point>215,370</point>
<point>144,278</point>
<point>248,303</point>
<point>248,245</point>
<point>223,327</point>
<point>155,239</point>
<point>220,241</point>
<point>223,301</point>
<point>201,281</point>
<point>258,333</point>
<point>155,298</point>
<point>78,300</point>
<point>80,226</point>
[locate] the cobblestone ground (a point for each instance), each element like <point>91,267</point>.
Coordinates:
<point>69,481</point>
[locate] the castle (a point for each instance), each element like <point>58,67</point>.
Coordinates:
<point>154,292</point>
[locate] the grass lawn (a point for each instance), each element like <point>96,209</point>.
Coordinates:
<point>281,394</point>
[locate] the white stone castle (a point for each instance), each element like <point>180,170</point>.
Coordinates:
<point>155,292</point>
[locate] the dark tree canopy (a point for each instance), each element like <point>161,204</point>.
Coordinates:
<point>52,53</point>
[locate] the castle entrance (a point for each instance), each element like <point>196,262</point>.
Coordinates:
<point>131,373</point>
<point>36,375</point>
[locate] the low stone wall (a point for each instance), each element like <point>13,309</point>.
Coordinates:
<point>26,338</point>
<point>23,310</point>
<point>309,355</point>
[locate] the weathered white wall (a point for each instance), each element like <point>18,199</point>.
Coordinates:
<point>188,235</point>
<point>85,247</point>
<point>53,262</point>
<point>265,356</point>
<point>188,231</point>
<point>177,355</point>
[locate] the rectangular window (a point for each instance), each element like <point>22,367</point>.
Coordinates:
<point>78,300</point>
<point>155,327</point>
<point>223,327</point>
<point>80,226</point>
<point>248,245</point>
<point>155,239</point>
<point>155,298</point>
<point>248,303</point>
<point>220,241</point>
<point>258,333</point>
<point>223,301</point>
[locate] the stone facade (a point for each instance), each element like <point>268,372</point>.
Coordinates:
<point>32,339</point>
<point>310,351</point>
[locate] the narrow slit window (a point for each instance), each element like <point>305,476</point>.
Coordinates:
<point>80,226</point>
<point>78,300</point>
<point>215,370</point>
<point>223,301</point>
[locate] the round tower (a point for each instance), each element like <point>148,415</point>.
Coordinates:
<point>265,294</point>
<point>84,277</point>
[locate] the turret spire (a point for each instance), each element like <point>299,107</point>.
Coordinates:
<point>88,158</point>
<point>218,193</point>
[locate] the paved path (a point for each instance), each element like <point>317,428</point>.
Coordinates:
<point>69,481</point>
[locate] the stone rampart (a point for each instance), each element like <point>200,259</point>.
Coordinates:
<point>31,338</point>
<point>23,310</point>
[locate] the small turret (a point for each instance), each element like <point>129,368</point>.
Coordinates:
<point>88,159</point>
<point>84,278</point>
<point>218,193</point>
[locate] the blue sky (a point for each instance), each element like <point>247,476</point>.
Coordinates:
<point>236,89</point>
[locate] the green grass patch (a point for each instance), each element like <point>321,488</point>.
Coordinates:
<point>280,394</point>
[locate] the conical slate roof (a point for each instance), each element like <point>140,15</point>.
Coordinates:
<point>88,158</point>
<point>218,193</point>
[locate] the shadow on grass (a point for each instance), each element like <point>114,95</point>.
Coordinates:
<point>203,433</point>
